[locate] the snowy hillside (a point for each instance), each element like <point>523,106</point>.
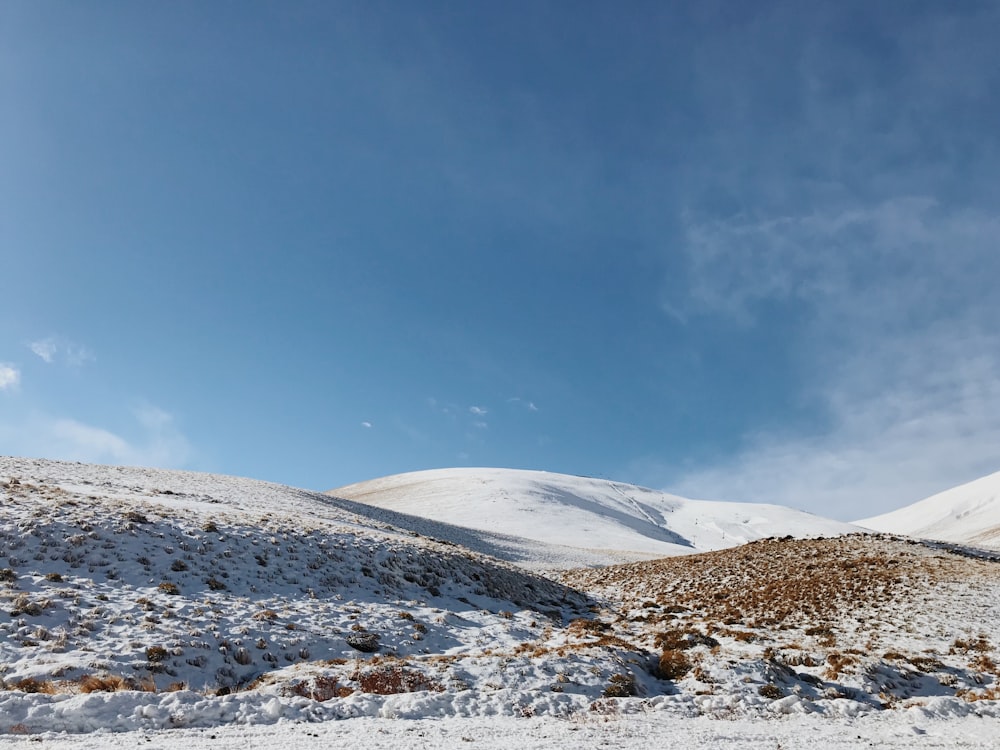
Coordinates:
<point>556,521</point>
<point>967,514</point>
<point>181,604</point>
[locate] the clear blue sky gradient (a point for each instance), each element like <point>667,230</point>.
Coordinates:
<point>736,250</point>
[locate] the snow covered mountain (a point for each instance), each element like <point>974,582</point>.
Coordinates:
<point>967,514</point>
<point>546,520</point>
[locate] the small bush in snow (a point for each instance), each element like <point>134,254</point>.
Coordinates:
<point>673,664</point>
<point>620,686</point>
<point>321,688</point>
<point>772,692</point>
<point>391,679</point>
<point>105,684</point>
<point>32,685</point>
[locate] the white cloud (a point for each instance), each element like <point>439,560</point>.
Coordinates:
<point>10,376</point>
<point>44,348</point>
<point>477,410</point>
<point>885,446</point>
<point>480,424</point>
<point>81,442</point>
<point>366,425</point>
<point>898,344</point>
<point>156,442</point>
<point>53,348</point>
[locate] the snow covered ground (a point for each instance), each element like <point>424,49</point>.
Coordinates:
<point>967,514</point>
<point>169,609</point>
<point>544,520</point>
<point>637,731</point>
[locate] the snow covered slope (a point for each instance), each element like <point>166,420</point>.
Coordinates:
<point>174,578</point>
<point>550,521</point>
<point>137,600</point>
<point>967,514</point>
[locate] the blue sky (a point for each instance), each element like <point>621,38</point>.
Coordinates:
<point>735,250</point>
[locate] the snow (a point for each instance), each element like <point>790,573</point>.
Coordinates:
<point>544,520</point>
<point>171,609</point>
<point>967,514</point>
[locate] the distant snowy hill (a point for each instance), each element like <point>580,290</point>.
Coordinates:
<point>557,521</point>
<point>967,514</point>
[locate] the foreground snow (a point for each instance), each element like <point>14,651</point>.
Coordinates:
<point>914,729</point>
<point>967,514</point>
<point>544,520</point>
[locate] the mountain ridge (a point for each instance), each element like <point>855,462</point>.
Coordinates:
<point>570,519</point>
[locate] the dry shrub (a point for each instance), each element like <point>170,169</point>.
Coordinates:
<point>673,664</point>
<point>321,688</point>
<point>169,588</point>
<point>799,659</point>
<point>582,626</point>
<point>989,694</point>
<point>604,707</point>
<point>824,635</point>
<point>838,663</point>
<point>979,644</point>
<point>266,614</point>
<point>392,679</point>
<point>156,654</point>
<point>32,685</point>
<point>682,639</point>
<point>927,664</point>
<point>620,686</point>
<point>984,663</point>
<point>105,684</point>
<point>772,692</point>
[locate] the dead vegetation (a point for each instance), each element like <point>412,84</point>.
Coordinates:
<point>833,607</point>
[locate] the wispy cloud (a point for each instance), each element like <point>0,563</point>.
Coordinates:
<point>55,348</point>
<point>478,410</point>
<point>10,376</point>
<point>899,344</point>
<point>529,405</point>
<point>156,441</point>
<point>886,444</point>
<point>366,425</point>
<point>44,348</point>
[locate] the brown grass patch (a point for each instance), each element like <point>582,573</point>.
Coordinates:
<point>392,679</point>
<point>673,665</point>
